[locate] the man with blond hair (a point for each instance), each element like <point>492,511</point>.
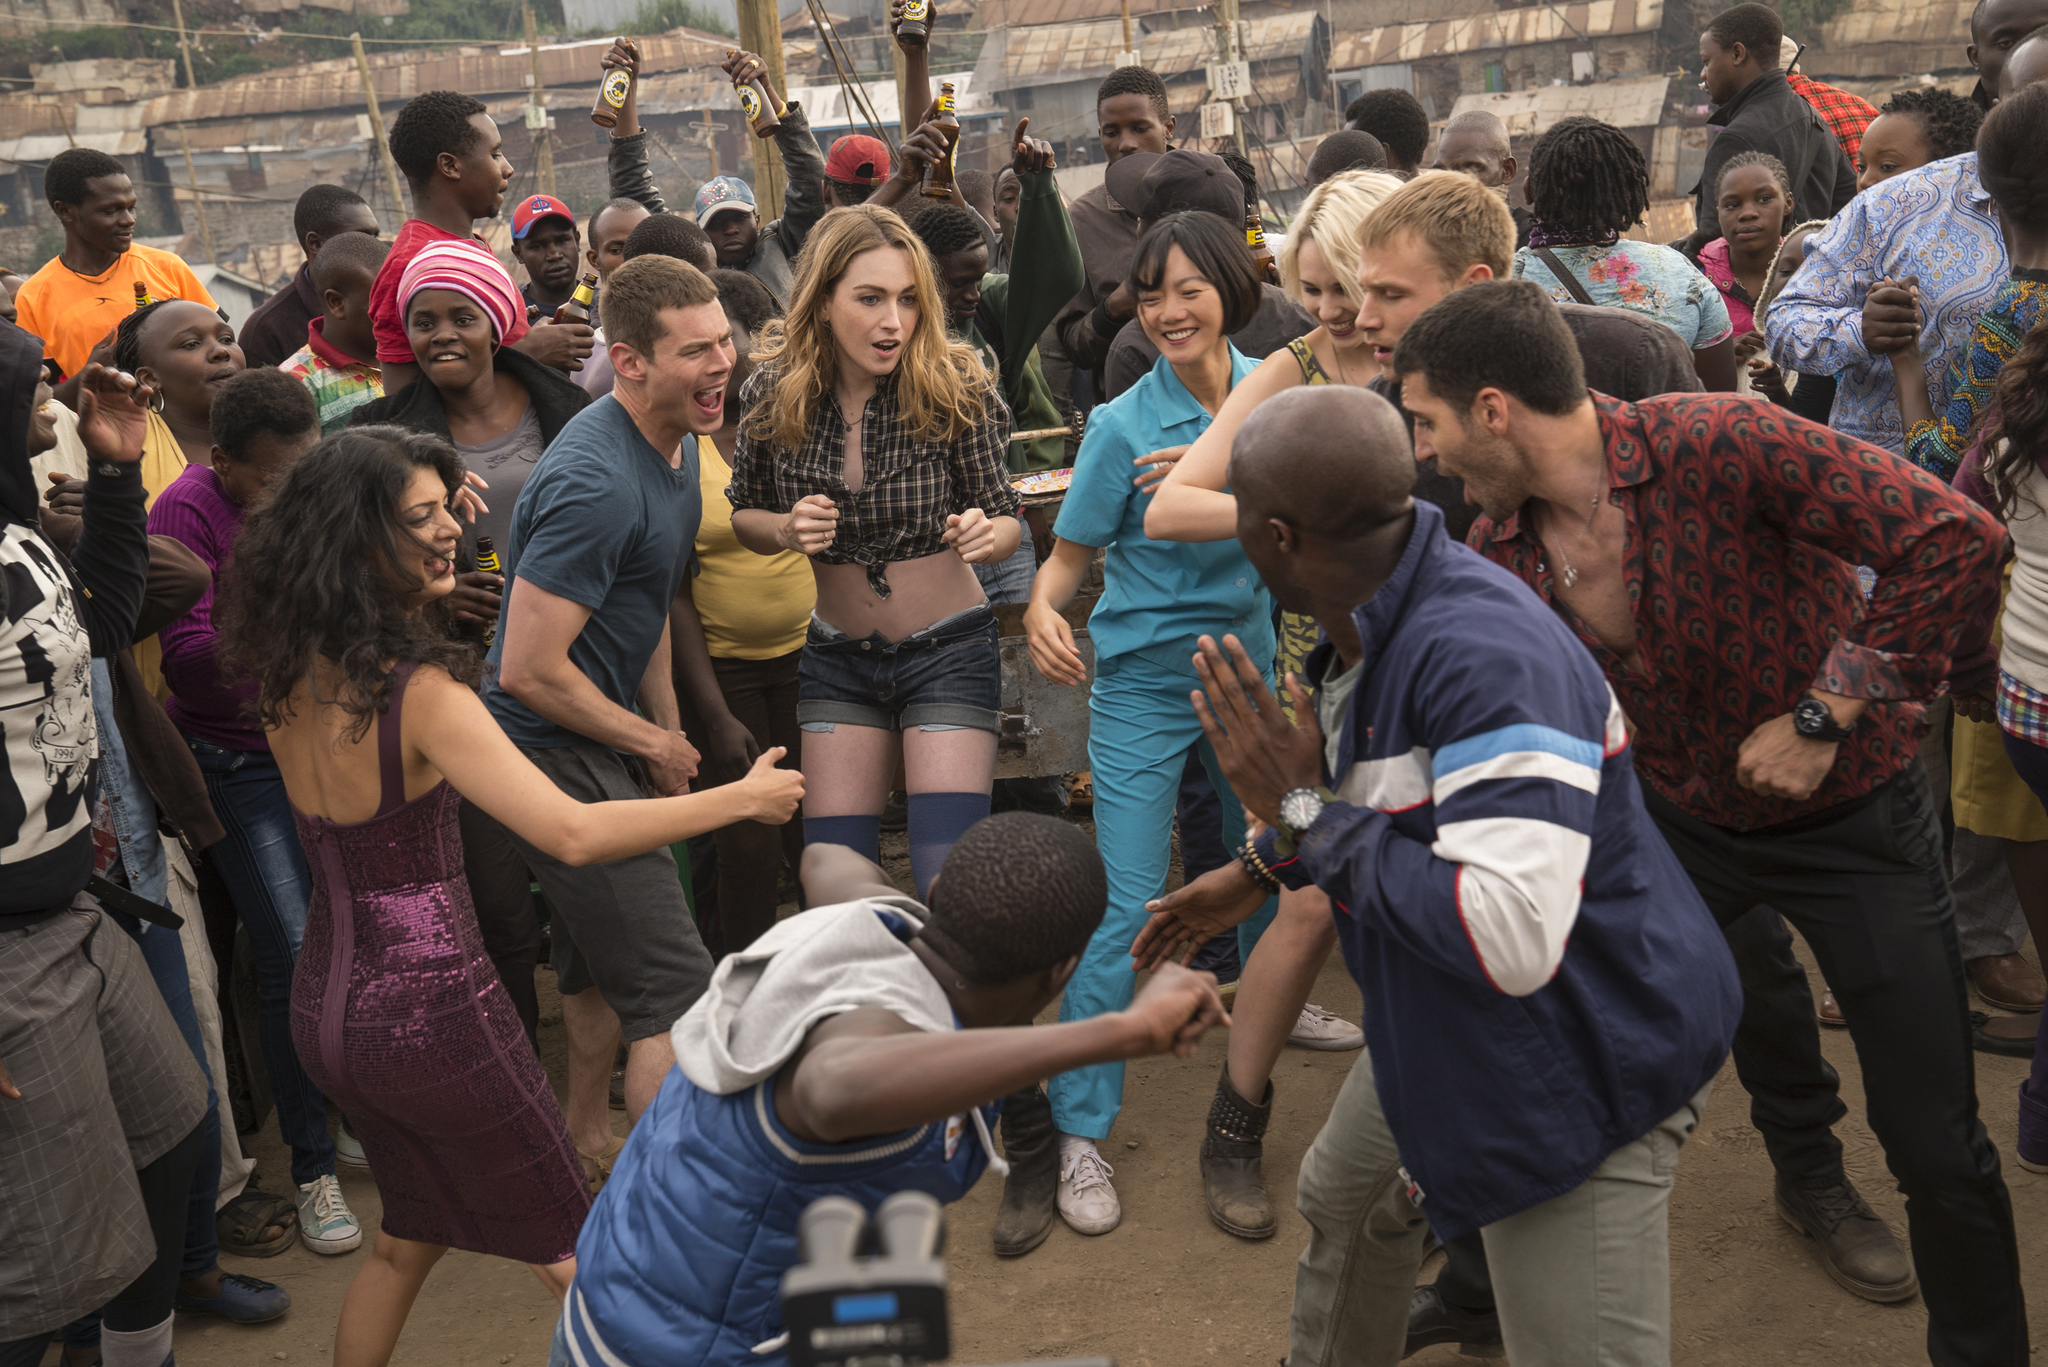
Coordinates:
<point>1445,230</point>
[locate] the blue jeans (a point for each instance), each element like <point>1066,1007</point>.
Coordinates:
<point>265,871</point>
<point>1139,729</point>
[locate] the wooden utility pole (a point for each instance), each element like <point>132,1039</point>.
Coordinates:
<point>1226,51</point>
<point>537,112</point>
<point>761,34</point>
<point>707,133</point>
<point>198,201</point>
<point>184,44</point>
<point>377,126</point>
<point>1130,48</point>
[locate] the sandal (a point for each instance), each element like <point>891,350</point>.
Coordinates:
<point>597,1167</point>
<point>1081,792</point>
<point>243,1224</point>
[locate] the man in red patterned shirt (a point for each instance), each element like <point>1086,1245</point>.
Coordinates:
<point>1704,549</point>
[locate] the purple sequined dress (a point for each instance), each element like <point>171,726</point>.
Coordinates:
<point>398,1015</point>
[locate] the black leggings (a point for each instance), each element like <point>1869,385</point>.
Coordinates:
<point>146,1301</point>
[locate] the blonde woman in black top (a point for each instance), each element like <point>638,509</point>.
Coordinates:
<point>874,444</point>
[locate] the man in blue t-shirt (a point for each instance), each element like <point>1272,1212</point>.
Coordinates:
<point>601,538</point>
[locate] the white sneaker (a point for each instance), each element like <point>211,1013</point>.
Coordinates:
<point>349,1149</point>
<point>1320,1029</point>
<point>326,1225</point>
<point>1087,1201</point>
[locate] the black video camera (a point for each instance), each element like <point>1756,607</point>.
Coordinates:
<point>872,1294</point>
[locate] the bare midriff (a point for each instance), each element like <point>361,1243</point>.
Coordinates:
<point>922,591</point>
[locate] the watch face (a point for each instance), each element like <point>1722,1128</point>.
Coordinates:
<point>1810,717</point>
<point>1300,809</point>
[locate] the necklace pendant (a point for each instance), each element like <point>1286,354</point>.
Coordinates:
<point>1571,577</point>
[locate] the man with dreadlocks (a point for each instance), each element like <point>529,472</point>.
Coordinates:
<point>1589,184</point>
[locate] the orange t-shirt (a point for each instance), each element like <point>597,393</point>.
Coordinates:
<point>72,312</point>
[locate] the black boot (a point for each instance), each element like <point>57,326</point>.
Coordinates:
<point>1231,1180</point>
<point>1031,1192</point>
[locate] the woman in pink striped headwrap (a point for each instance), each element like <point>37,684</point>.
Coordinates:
<point>500,408</point>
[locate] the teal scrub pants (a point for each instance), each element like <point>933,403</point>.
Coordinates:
<point>1140,726</point>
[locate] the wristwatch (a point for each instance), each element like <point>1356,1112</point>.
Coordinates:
<point>1299,809</point>
<point>1810,718</point>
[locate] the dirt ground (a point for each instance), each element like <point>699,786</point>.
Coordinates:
<point>1168,1288</point>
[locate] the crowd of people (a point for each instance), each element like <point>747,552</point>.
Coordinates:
<point>1546,619</point>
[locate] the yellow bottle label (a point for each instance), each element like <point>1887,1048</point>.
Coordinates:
<point>618,83</point>
<point>584,295</point>
<point>916,10</point>
<point>488,563</point>
<point>750,103</point>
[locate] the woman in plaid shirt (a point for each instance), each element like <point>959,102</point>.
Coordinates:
<point>874,444</point>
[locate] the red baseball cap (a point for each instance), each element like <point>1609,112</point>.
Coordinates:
<point>535,208</point>
<point>858,159</point>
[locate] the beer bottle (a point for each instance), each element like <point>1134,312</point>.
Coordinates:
<point>142,299</point>
<point>487,562</point>
<point>915,28</point>
<point>611,96</point>
<point>757,104</point>
<point>938,177</point>
<point>1255,238</point>
<point>577,310</point>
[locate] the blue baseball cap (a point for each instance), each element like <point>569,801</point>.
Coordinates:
<point>720,195</point>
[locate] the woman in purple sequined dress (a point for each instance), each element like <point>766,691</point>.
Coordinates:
<point>397,1012</point>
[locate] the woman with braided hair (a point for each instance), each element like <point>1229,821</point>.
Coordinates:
<point>2006,469</point>
<point>1589,184</point>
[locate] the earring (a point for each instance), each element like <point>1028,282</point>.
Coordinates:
<point>156,402</point>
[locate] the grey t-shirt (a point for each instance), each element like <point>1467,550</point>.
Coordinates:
<point>504,464</point>
<point>1332,702</point>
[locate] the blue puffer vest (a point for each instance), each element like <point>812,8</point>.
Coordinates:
<point>680,1263</point>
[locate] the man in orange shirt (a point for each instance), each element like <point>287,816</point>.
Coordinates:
<point>81,296</point>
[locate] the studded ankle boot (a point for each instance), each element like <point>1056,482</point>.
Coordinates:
<point>1030,1193</point>
<point>1231,1150</point>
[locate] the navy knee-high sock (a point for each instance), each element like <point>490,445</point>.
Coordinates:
<point>936,821</point>
<point>861,834</point>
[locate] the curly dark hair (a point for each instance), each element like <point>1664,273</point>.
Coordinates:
<point>671,235</point>
<point>258,401</point>
<point>1135,80</point>
<point>64,180</point>
<point>1247,176</point>
<point>1756,27</point>
<point>1348,149</point>
<point>320,208</point>
<point>320,559</point>
<point>847,193</point>
<point>1763,159</point>
<point>1397,119</point>
<point>947,228</point>
<point>746,301</point>
<point>1018,894</point>
<point>1588,175</point>
<point>432,122</point>
<point>1948,121</point>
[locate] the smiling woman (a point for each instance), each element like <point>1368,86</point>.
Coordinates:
<point>881,456</point>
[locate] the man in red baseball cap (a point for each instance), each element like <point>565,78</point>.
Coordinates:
<point>544,241</point>
<point>857,165</point>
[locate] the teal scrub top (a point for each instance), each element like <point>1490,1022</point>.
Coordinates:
<point>1158,596</point>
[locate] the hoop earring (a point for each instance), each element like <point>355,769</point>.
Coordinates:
<point>156,402</point>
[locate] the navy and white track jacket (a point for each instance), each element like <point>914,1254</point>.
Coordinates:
<point>1542,983</point>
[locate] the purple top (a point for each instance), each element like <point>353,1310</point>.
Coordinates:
<point>194,511</point>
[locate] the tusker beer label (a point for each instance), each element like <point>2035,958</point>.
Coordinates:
<point>617,82</point>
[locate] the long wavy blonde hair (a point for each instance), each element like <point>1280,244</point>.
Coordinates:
<point>941,383</point>
<point>1330,217</point>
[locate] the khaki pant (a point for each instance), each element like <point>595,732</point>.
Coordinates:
<point>1583,1278</point>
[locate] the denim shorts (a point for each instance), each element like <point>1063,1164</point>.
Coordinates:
<point>947,677</point>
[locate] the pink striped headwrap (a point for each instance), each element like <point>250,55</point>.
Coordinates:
<point>468,268</point>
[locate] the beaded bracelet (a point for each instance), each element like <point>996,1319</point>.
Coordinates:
<point>1256,867</point>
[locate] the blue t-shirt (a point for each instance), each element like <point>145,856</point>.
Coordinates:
<point>606,522</point>
<point>1158,596</point>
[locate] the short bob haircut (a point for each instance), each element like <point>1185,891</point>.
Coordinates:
<point>1215,248</point>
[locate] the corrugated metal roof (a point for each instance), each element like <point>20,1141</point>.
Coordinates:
<point>1056,53</point>
<point>1890,37</point>
<point>1501,29</point>
<point>1637,102</point>
<point>399,76</point>
<point>42,146</point>
<point>999,13</point>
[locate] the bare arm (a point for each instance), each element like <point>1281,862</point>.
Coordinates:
<point>535,668</point>
<point>728,744</point>
<point>1909,379</point>
<point>867,1072</point>
<point>1191,505</point>
<point>1716,366</point>
<point>1052,639</point>
<point>457,736</point>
